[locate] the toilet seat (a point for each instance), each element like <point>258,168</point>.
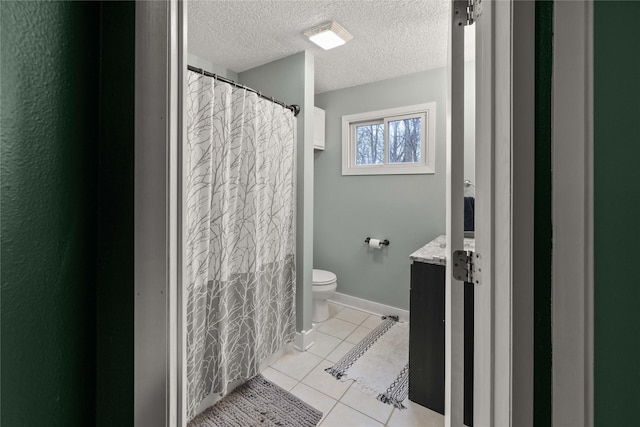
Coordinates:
<point>323,277</point>
<point>325,288</point>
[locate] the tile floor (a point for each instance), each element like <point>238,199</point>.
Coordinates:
<point>342,403</point>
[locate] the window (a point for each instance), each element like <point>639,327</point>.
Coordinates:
<point>394,141</point>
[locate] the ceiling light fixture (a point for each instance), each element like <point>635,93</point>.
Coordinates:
<point>328,35</point>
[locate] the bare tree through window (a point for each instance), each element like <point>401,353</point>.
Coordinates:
<point>370,144</point>
<point>404,141</point>
<point>395,141</point>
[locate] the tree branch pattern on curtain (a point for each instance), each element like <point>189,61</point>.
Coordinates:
<point>240,234</point>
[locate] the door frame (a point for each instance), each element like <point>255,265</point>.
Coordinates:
<point>493,321</point>
<point>503,384</point>
<point>454,289</point>
<point>160,37</point>
<point>503,326</point>
<point>503,314</point>
<point>502,397</point>
<point>572,214</point>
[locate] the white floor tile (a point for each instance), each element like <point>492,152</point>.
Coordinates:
<point>343,404</point>
<point>356,336</point>
<point>279,378</point>
<point>335,309</point>
<point>296,364</point>
<point>342,416</point>
<point>325,382</point>
<point>314,398</point>
<point>352,316</point>
<point>367,404</point>
<point>415,416</point>
<point>337,328</point>
<point>324,344</point>
<point>340,351</point>
<point>372,321</point>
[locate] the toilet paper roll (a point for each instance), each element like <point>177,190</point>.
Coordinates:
<point>375,243</point>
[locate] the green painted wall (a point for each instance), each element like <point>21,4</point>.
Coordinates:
<point>114,275</point>
<point>409,210</point>
<point>67,157</point>
<point>542,244</point>
<point>49,144</point>
<point>291,80</point>
<point>616,214</point>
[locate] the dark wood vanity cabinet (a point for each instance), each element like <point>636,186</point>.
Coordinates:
<point>426,336</point>
<point>426,339</point>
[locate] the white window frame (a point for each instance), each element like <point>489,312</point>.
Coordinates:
<point>426,111</point>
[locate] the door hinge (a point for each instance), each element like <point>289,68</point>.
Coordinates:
<point>467,267</point>
<point>474,10</point>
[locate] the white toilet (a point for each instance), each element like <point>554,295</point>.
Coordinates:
<point>324,286</point>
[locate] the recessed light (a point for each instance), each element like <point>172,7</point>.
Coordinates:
<point>328,35</point>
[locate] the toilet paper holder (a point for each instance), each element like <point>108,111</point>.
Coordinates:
<point>384,242</point>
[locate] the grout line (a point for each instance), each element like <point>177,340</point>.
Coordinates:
<point>324,416</point>
<point>353,323</point>
<point>320,391</point>
<point>365,414</point>
<point>285,374</point>
<point>325,359</point>
<point>304,376</point>
<point>357,410</point>
<point>345,392</point>
<point>349,388</point>
<point>390,415</point>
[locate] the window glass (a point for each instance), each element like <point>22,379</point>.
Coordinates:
<point>404,141</point>
<point>370,144</point>
<point>395,141</point>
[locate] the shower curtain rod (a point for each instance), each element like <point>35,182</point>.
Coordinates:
<point>293,107</point>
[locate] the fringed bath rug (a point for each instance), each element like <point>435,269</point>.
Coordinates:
<point>379,364</point>
<point>258,402</point>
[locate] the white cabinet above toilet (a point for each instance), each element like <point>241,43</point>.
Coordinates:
<point>318,126</point>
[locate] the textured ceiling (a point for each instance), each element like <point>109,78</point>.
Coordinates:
<point>391,37</point>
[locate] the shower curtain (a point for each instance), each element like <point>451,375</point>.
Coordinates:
<point>240,234</point>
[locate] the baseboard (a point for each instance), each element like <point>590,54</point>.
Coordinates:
<point>369,306</point>
<point>304,340</point>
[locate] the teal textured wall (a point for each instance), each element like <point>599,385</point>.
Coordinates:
<point>616,214</point>
<point>49,127</point>
<point>409,210</point>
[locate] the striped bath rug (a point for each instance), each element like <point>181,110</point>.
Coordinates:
<point>379,364</point>
<point>258,402</point>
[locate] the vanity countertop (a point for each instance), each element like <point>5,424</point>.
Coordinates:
<point>434,251</point>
